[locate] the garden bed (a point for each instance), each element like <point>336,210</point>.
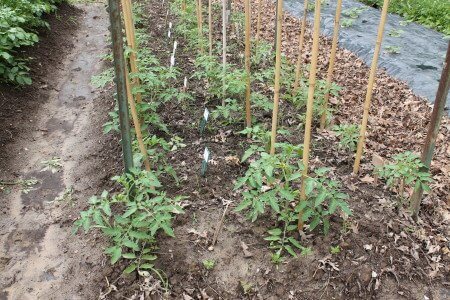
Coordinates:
<point>378,252</point>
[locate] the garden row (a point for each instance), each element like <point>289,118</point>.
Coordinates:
<point>132,218</point>
<point>19,22</point>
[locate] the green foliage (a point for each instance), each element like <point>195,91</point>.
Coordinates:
<point>324,198</point>
<point>210,70</point>
<point>104,78</point>
<point>299,100</point>
<point>335,249</point>
<point>272,182</point>
<point>209,264</point>
<point>158,151</point>
<point>407,169</point>
<point>132,218</point>
<point>229,113</point>
<point>353,12</point>
<point>18,22</point>
<point>392,49</point>
<point>431,13</point>
<point>350,15</point>
<point>348,135</point>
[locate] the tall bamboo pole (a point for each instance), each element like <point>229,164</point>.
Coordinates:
<point>127,11</point>
<point>224,47</point>
<point>277,77</point>
<point>309,105</point>
<point>276,26</point>
<point>373,71</point>
<point>136,122</point>
<point>210,29</point>
<point>199,23</point>
<point>433,130</point>
<point>301,38</point>
<point>120,71</point>
<point>337,19</point>
<point>247,64</point>
<point>258,20</point>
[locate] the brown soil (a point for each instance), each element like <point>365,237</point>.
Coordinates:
<point>59,116</point>
<point>384,254</point>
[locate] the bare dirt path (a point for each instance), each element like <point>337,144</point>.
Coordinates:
<point>39,258</point>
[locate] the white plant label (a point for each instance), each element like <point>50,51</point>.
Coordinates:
<point>206,114</point>
<point>185,82</point>
<point>170,25</point>
<point>175,44</point>
<point>168,34</point>
<point>172,61</point>
<point>206,155</point>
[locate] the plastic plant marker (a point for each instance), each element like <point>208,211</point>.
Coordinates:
<point>247,65</point>
<point>309,106</point>
<point>301,38</point>
<point>337,18</point>
<point>276,99</point>
<point>205,160</point>
<point>373,71</point>
<point>204,121</point>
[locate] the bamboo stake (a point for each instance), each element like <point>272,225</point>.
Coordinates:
<point>247,64</point>
<point>200,24</point>
<point>309,106</point>
<point>433,130</point>
<point>224,47</point>
<point>277,77</point>
<point>183,6</point>
<point>127,10</point>
<point>210,27</point>
<point>198,9</point>
<point>258,20</point>
<point>137,124</point>
<point>301,39</point>
<point>337,19</point>
<point>373,71</point>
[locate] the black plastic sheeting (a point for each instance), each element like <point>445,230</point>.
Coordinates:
<point>422,50</point>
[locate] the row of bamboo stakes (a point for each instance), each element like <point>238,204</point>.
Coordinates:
<point>130,34</point>
<point>298,71</point>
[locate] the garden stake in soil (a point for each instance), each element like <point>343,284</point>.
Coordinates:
<point>120,74</point>
<point>433,129</point>
<point>210,29</point>
<point>247,65</point>
<point>323,118</point>
<point>224,48</point>
<point>301,38</point>
<point>309,106</point>
<point>199,23</point>
<point>276,98</point>
<point>127,11</point>
<point>137,124</point>
<point>373,71</point>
